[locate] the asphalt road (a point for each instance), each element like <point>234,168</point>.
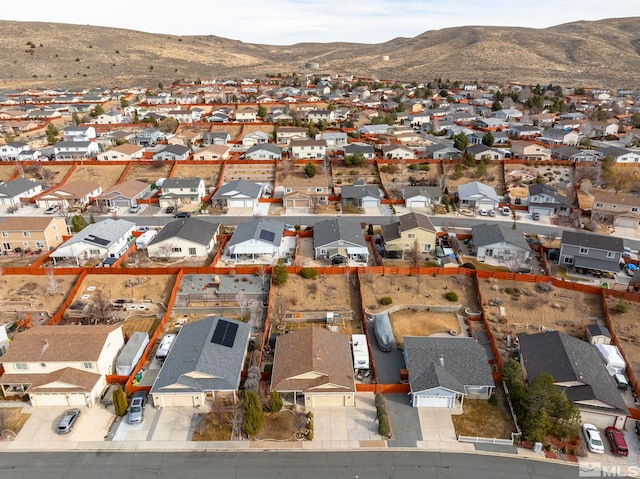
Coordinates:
<point>270,464</point>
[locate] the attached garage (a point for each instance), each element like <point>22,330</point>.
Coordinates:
<point>417,204</point>
<point>178,400</point>
<point>542,211</point>
<point>241,203</point>
<point>426,400</point>
<point>328,400</point>
<point>54,399</point>
<point>626,222</point>
<point>369,202</point>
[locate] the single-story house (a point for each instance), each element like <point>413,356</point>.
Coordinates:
<point>476,195</point>
<point>359,194</point>
<point>123,194</point>
<point>238,194</point>
<point>266,151</point>
<point>184,237</point>
<point>11,191</point>
<point>421,196</point>
<point>339,242</point>
<point>172,153</point>
<point>260,237</point>
<point>75,194</point>
<point>500,243</point>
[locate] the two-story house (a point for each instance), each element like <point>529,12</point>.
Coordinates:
<point>79,133</point>
<point>246,115</point>
<point>181,191</point>
<point>148,137</point>
<point>590,253</point>
<point>524,150</point>
<point>315,116</point>
<point>547,201</point>
<point>336,140</point>
<point>12,191</point>
<point>300,194</point>
<point>65,365</point>
<point>75,150</point>
<point>308,149</point>
<point>32,232</point>
<point>286,134</point>
<point>619,210</point>
<point>409,230</point>
<point>10,151</point>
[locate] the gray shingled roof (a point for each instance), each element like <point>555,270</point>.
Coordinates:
<point>254,230</point>
<point>427,191</point>
<point>333,229</point>
<point>108,230</point>
<point>265,146</point>
<point>244,187</point>
<point>465,363</point>
<point>190,229</point>
<point>360,191</point>
<point>587,240</point>
<point>542,189</point>
<point>172,183</point>
<point>16,187</point>
<point>175,149</point>
<point>467,190</point>
<point>488,233</point>
<point>193,351</point>
<point>406,222</point>
<point>567,359</point>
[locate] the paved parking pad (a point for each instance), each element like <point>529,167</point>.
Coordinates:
<point>347,423</point>
<point>405,422</point>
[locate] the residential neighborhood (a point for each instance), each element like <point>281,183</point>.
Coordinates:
<point>392,254</point>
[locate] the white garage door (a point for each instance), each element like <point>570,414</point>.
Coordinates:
<point>626,222</point>
<point>42,400</point>
<point>177,400</point>
<point>433,401</point>
<point>366,203</point>
<point>418,204</point>
<point>331,401</point>
<point>542,211</point>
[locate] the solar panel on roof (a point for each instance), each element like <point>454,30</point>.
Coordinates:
<point>96,240</point>
<point>225,333</point>
<point>267,235</point>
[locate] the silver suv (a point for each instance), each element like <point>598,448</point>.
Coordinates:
<point>135,412</point>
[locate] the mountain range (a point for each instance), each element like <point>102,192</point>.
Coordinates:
<point>604,53</point>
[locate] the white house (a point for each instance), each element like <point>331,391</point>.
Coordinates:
<point>500,244</point>
<point>184,237</point>
<point>261,237</point>
<point>12,191</point>
<point>476,195</point>
<point>238,194</point>
<point>308,149</point>
<point>266,151</point>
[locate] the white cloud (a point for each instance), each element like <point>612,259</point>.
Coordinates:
<point>292,21</point>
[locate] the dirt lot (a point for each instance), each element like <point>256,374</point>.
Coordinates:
<point>211,427</point>
<point>398,176</point>
<point>419,289</point>
<point>29,293</point>
<point>479,418</point>
<point>531,311</point>
<point>281,426</point>
<point>233,130</point>
<point>134,324</point>
<point>627,328</point>
<point>156,288</point>
<point>7,171</point>
<point>104,175</point>
<point>149,172</point>
<point>491,177</point>
<point>209,173</point>
<point>141,260</point>
<point>422,323</point>
<point>257,173</point>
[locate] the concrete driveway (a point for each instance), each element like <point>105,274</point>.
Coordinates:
<point>405,422</point>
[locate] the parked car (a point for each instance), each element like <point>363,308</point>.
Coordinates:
<point>535,216</point>
<point>492,213</point>
<point>52,209</point>
<point>482,212</point>
<point>170,209</point>
<point>617,442</point>
<point>621,382</point>
<point>592,438</point>
<point>67,421</point>
<point>113,209</point>
<point>505,210</point>
<point>134,209</point>
<point>183,214</point>
<point>439,252</point>
<point>135,413</point>
<point>626,252</point>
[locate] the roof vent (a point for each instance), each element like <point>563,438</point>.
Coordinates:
<point>441,360</point>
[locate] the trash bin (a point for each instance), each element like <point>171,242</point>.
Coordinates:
<point>537,447</point>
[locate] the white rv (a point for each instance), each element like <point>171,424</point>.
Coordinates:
<point>165,346</point>
<point>360,351</point>
<point>145,238</point>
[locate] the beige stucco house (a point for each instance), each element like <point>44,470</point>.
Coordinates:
<point>32,232</point>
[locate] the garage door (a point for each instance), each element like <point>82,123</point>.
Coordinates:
<point>177,400</point>
<point>626,222</point>
<point>122,202</point>
<point>542,211</point>
<point>418,204</point>
<point>42,400</point>
<point>433,401</point>
<point>366,203</point>
<point>331,401</point>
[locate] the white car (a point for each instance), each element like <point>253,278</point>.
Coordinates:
<point>113,209</point>
<point>592,438</point>
<point>482,212</point>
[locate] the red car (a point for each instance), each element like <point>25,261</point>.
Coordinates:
<point>617,443</point>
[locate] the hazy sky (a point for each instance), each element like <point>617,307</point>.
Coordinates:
<point>284,22</point>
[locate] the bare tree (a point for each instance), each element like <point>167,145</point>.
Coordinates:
<point>101,306</point>
<point>234,419</point>
<point>414,256</point>
<point>279,307</point>
<point>262,272</point>
<point>514,261</point>
<point>166,250</point>
<point>243,302</point>
<point>252,383</point>
<point>52,285</point>
<point>219,411</point>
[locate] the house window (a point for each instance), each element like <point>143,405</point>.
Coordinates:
<point>319,190</point>
<point>21,366</point>
<point>193,190</point>
<point>87,365</point>
<point>411,235</point>
<point>584,250</point>
<point>192,251</point>
<point>55,227</point>
<point>288,190</point>
<point>426,248</point>
<point>6,245</point>
<point>39,244</point>
<point>57,238</point>
<point>634,210</point>
<point>611,254</point>
<point>599,205</point>
<point>176,250</point>
<point>25,244</point>
<point>26,234</point>
<point>94,251</point>
<point>568,260</point>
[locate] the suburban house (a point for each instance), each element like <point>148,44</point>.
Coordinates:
<point>184,237</point>
<point>75,194</point>
<point>12,191</point>
<point>300,194</point>
<point>215,138</point>
<point>182,191</point>
<point>75,150</point>
<point>367,150</point>
<point>397,152</point>
<point>339,242</point>
<point>11,151</point>
<point>480,152</point>
<point>523,131</point>
<point>245,115</point>
<point>124,152</point>
<point>335,140</point>
<point>315,364</point>
<point>439,151</point>
<point>599,129</point>
<point>443,371</point>
<point>619,210</point>
<point>410,229</point>
<point>361,195</point>
<point>619,155</point>
<point>476,195</point>
<point>508,114</point>
<point>500,244</point>
<point>31,232</point>
<point>421,196</point>
<point>204,363</point>
<point>585,252</point>
<point>212,152</point>
<point>266,151</point>
<point>547,201</point>
<point>238,194</point>
<point>172,153</point>
<point>315,116</point>
<point>106,239</point>
<point>258,238</point>
<point>524,150</point>
<point>255,138</point>
<point>578,370</point>
<point>123,194</point>
<point>148,137</point>
<point>308,149</point>
<point>555,136</point>
<point>65,365</point>
<point>571,153</point>
<point>108,118</point>
<point>286,134</point>
<point>79,133</point>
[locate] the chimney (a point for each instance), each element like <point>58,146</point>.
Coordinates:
<point>441,359</point>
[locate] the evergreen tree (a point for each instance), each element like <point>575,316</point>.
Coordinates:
<point>280,273</point>
<point>253,414</point>
<point>310,169</point>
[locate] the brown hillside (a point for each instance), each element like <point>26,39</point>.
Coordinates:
<point>601,53</point>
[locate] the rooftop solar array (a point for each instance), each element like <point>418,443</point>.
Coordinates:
<point>225,333</point>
